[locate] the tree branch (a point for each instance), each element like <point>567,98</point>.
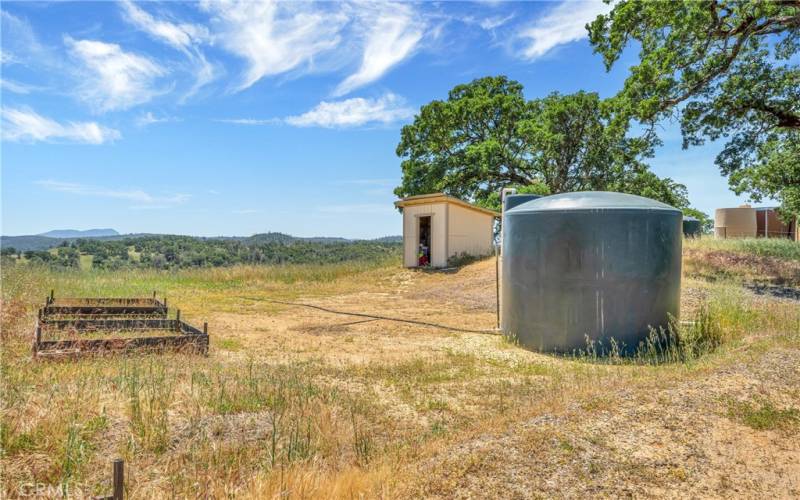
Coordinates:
<point>786,119</point>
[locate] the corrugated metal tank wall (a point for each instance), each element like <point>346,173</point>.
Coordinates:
<point>770,225</point>
<point>739,222</point>
<point>590,265</point>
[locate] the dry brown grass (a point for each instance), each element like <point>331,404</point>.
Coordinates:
<point>299,403</point>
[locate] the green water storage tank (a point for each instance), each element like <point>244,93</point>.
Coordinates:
<point>692,227</point>
<point>586,267</point>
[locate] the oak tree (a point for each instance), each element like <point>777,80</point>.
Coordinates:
<point>487,136</point>
<point>727,69</point>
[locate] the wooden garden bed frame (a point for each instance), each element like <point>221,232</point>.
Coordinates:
<point>103,306</point>
<point>182,336</point>
<point>83,315</point>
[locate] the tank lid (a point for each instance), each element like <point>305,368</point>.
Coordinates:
<point>592,200</point>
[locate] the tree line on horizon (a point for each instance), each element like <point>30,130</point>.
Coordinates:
<point>724,70</point>
<point>182,252</point>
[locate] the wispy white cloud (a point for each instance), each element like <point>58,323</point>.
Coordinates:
<point>184,37</point>
<point>179,35</point>
<point>393,33</point>
<point>115,79</point>
<point>250,121</point>
<point>18,39</point>
<point>370,187</point>
<point>367,182</point>
<point>6,57</point>
<point>150,207</point>
<point>245,211</point>
<point>273,37</point>
<point>357,208</point>
<point>353,112</point>
<point>143,199</point>
<point>25,125</point>
<point>562,24</point>
<point>149,118</point>
<point>494,22</point>
<point>17,87</point>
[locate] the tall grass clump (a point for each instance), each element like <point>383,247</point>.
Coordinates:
<point>762,247</point>
<point>676,343</point>
<point>150,389</point>
<point>295,427</point>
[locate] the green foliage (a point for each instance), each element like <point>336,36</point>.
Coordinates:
<point>62,256</point>
<point>492,200</point>
<point>487,136</point>
<point>178,252</point>
<point>729,69</point>
<point>763,415</point>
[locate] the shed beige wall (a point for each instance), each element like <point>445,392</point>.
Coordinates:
<point>438,214</point>
<point>735,222</point>
<point>469,232</point>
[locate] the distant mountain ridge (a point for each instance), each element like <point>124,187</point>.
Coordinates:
<point>74,233</point>
<point>52,239</point>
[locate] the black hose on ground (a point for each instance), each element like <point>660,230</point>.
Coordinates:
<point>373,316</point>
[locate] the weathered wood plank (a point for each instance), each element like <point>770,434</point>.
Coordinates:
<point>199,342</point>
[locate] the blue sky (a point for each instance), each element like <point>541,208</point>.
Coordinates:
<point>226,118</point>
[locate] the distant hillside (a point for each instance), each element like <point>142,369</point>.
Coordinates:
<point>389,239</point>
<point>29,242</point>
<point>74,233</point>
<point>287,238</point>
<point>42,242</point>
<point>47,240</point>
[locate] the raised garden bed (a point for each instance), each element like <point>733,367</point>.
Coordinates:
<point>76,307</point>
<point>79,326</point>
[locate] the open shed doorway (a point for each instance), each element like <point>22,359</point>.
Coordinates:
<point>424,246</point>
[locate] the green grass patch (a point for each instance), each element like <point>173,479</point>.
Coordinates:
<point>763,415</point>
<point>232,345</point>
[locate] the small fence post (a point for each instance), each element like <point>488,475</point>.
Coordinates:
<point>178,314</point>
<point>52,295</point>
<point>40,314</point>
<point>37,339</point>
<point>119,479</point>
<point>205,328</point>
<point>154,295</point>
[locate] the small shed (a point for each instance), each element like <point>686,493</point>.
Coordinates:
<point>437,227</point>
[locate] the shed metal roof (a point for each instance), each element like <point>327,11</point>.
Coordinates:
<point>424,199</point>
